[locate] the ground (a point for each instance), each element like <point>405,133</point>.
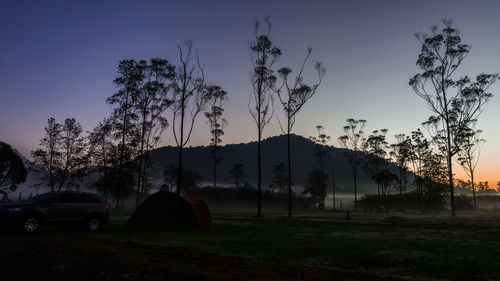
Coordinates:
<point>71,255</point>
<point>314,246</point>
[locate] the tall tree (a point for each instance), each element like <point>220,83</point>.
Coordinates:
<point>12,170</point>
<point>375,152</point>
<point>124,119</point>
<point>47,159</point>
<point>263,55</point>
<point>352,142</point>
<point>74,155</point>
<point>401,153</point>
<point>151,101</point>
<point>316,184</point>
<point>320,151</point>
<point>420,149</point>
<point>188,101</point>
<point>456,102</point>
<point>100,149</point>
<point>293,93</point>
<point>468,156</point>
<point>216,100</point>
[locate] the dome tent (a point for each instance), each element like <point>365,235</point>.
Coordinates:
<point>168,211</point>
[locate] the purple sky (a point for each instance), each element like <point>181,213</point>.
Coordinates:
<point>58,59</point>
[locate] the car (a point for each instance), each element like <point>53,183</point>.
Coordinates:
<point>56,208</point>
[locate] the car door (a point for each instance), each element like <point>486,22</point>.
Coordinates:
<point>62,208</point>
<point>82,206</point>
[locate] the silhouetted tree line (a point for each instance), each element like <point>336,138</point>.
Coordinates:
<point>154,95</point>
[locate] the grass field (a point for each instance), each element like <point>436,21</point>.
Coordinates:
<point>410,246</point>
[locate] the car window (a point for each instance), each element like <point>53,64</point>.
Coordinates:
<point>41,198</point>
<point>69,198</point>
<point>90,199</point>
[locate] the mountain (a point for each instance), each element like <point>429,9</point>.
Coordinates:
<point>273,152</point>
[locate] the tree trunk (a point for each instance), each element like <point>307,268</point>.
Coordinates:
<point>259,174</point>
<point>333,189</point>
<point>355,189</point>
<point>181,145</point>
<point>289,172</point>
<point>473,189</point>
<point>215,161</point>
<point>141,151</point>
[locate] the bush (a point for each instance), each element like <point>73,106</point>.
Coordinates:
<point>408,201</point>
<point>463,202</point>
<point>246,196</point>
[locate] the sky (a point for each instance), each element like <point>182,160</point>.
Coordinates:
<point>59,58</point>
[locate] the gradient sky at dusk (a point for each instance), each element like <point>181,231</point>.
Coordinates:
<point>58,59</point>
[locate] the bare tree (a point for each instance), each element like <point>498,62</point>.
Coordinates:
<point>468,156</point>
<point>263,56</point>
<point>216,100</point>
<point>293,93</point>
<point>188,101</point>
<point>352,142</point>
<point>456,102</point>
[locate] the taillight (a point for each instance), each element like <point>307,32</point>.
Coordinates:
<point>106,206</point>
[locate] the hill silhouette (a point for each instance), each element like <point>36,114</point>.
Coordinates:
<point>273,152</point>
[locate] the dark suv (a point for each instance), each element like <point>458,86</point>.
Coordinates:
<point>56,208</point>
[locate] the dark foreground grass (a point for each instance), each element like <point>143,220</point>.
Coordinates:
<point>366,243</point>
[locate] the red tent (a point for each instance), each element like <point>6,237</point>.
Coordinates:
<point>168,211</point>
<point>201,211</point>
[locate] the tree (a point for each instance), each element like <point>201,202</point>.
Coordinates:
<point>468,156</point>
<point>352,143</point>
<point>387,181</point>
<point>124,120</point>
<point>73,155</point>
<point>441,55</point>
<point>420,150</point>
<point>401,153</point>
<point>316,187</point>
<point>188,101</point>
<point>263,56</point>
<point>12,170</point>
<point>293,93</point>
<point>216,99</point>
<point>47,159</point>
<point>320,151</point>
<point>236,174</point>
<point>192,178</point>
<point>150,102</point>
<point>374,148</point>
<point>100,148</point>
<point>279,180</point>
<point>434,178</point>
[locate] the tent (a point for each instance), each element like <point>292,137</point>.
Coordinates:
<point>168,211</point>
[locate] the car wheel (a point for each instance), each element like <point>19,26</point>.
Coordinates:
<point>31,224</point>
<point>93,224</point>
